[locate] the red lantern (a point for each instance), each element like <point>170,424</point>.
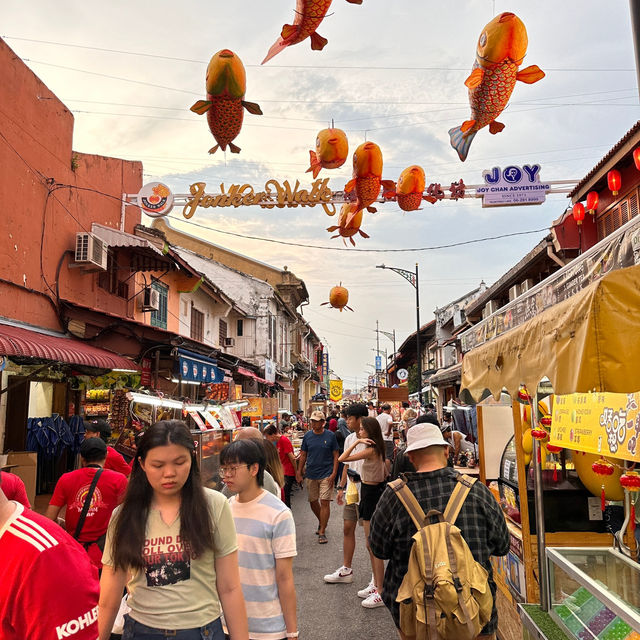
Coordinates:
<point>602,467</point>
<point>631,482</point>
<point>539,434</point>
<point>545,422</point>
<point>523,395</point>
<point>614,181</point>
<point>636,157</point>
<point>578,212</point>
<point>592,201</point>
<point>552,448</point>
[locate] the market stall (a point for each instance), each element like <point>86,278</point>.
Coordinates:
<point>561,353</point>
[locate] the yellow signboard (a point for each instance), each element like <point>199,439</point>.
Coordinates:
<point>335,390</point>
<point>601,423</point>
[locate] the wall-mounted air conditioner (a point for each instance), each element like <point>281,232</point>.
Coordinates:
<point>526,285</point>
<point>150,299</point>
<point>491,307</point>
<point>229,342</point>
<point>91,250</point>
<point>514,292</point>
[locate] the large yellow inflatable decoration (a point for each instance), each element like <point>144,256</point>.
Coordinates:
<point>349,222</point>
<point>367,176</point>
<point>226,85</point>
<point>612,487</point>
<point>332,149</point>
<point>309,15</point>
<point>501,48</point>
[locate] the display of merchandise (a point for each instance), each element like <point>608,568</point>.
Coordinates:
<point>119,410</point>
<point>97,403</point>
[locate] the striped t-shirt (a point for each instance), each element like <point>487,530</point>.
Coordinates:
<point>266,531</point>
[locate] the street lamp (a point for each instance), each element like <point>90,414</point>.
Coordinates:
<point>412,278</point>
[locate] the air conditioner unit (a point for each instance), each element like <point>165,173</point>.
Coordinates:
<point>229,342</point>
<point>491,307</point>
<point>526,285</point>
<point>150,299</point>
<point>514,292</point>
<point>91,250</point>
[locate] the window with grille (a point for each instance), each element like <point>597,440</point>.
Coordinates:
<point>159,317</point>
<point>618,215</point>
<point>108,280</point>
<point>197,325</point>
<point>222,328</point>
<point>240,328</point>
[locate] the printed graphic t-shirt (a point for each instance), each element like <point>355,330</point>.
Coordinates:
<point>175,591</point>
<point>48,587</point>
<point>319,450</point>
<point>266,531</point>
<point>285,447</point>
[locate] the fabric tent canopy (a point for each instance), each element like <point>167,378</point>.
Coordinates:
<point>589,342</point>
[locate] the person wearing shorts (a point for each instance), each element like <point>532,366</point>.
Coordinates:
<point>319,461</point>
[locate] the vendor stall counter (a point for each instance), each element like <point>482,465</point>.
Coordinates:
<point>208,445</point>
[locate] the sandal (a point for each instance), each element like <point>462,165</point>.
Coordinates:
<point>322,539</point>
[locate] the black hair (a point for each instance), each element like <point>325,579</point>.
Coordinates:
<point>92,451</point>
<point>357,410</point>
<point>99,426</point>
<point>247,452</point>
<point>428,417</point>
<point>196,527</point>
<point>270,430</point>
<point>246,421</point>
<point>386,407</point>
<point>405,405</point>
<point>430,406</point>
<point>374,432</point>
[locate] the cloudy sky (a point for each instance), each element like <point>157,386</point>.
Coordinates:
<point>393,73</point>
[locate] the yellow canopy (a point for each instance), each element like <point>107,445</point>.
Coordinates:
<point>589,342</point>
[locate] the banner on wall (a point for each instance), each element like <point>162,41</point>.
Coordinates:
<point>600,423</point>
<point>335,390</point>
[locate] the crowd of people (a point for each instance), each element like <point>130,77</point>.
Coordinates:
<point>150,552</point>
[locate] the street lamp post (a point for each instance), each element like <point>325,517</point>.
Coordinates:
<point>412,278</point>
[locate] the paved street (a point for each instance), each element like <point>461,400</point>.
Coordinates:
<point>332,611</point>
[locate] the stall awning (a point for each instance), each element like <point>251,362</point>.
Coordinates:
<point>31,343</point>
<point>450,374</point>
<point>588,342</point>
<point>250,374</point>
<point>286,388</point>
<point>193,367</point>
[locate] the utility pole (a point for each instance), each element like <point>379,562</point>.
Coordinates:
<point>634,6</point>
<point>377,352</point>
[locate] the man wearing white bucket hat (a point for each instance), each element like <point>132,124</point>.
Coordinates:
<point>480,520</point>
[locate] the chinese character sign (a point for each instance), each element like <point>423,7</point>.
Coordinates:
<point>601,423</point>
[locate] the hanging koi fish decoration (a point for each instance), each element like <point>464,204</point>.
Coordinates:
<point>349,222</point>
<point>338,298</point>
<point>332,149</point>
<point>501,48</point>
<point>226,85</point>
<point>309,15</point>
<point>410,188</point>
<point>367,176</point>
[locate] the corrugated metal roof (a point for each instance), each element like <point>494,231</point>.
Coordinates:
<point>116,238</point>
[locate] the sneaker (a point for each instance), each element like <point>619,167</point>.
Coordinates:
<point>367,591</point>
<point>341,575</point>
<point>373,601</point>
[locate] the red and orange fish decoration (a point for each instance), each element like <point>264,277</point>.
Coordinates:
<point>338,298</point>
<point>349,222</point>
<point>367,176</point>
<point>309,15</point>
<point>410,187</point>
<point>332,149</point>
<point>501,48</point>
<point>226,85</point>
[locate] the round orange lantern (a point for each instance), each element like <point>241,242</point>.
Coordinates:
<point>602,467</point>
<point>578,212</point>
<point>631,482</point>
<point>338,298</point>
<point>592,201</point>
<point>636,157</point>
<point>614,181</point>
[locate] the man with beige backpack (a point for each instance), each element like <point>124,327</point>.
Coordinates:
<point>438,584</point>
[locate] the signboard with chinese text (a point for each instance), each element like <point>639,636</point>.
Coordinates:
<point>325,364</point>
<point>600,423</point>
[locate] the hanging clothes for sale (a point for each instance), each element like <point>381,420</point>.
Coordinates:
<point>77,430</point>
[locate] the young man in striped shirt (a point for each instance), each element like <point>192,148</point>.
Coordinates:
<point>266,543</point>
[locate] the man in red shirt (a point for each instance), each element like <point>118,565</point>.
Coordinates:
<point>71,492</point>
<point>14,489</point>
<point>48,587</point>
<point>101,429</point>
<point>287,457</point>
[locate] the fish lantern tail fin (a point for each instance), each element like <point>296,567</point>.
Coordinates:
<point>388,188</point>
<point>317,41</point>
<point>214,149</point>
<point>346,307</point>
<point>430,199</point>
<point>234,148</point>
<point>530,74</point>
<point>201,107</point>
<point>276,48</point>
<point>316,166</point>
<point>252,107</point>
<point>332,229</point>
<point>355,1</point>
<point>461,142</point>
<point>363,234</point>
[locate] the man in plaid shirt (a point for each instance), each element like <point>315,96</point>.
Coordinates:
<point>481,521</point>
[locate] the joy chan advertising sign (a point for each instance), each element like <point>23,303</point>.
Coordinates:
<point>512,185</point>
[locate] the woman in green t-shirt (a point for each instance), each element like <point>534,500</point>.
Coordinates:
<point>173,543</point>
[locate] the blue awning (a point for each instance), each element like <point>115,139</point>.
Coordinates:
<point>192,367</point>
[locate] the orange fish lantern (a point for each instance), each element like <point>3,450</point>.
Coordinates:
<point>332,148</point>
<point>309,15</point>
<point>338,298</point>
<point>367,176</point>
<point>410,188</point>
<point>226,86</point>
<point>349,222</point>
<point>501,48</point>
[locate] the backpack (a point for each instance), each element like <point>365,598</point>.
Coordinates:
<point>445,593</point>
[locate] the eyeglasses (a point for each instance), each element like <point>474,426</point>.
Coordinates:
<point>230,471</point>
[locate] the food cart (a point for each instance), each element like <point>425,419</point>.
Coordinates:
<point>583,579</point>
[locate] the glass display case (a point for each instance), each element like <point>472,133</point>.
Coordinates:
<point>208,446</point>
<point>595,593</point>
